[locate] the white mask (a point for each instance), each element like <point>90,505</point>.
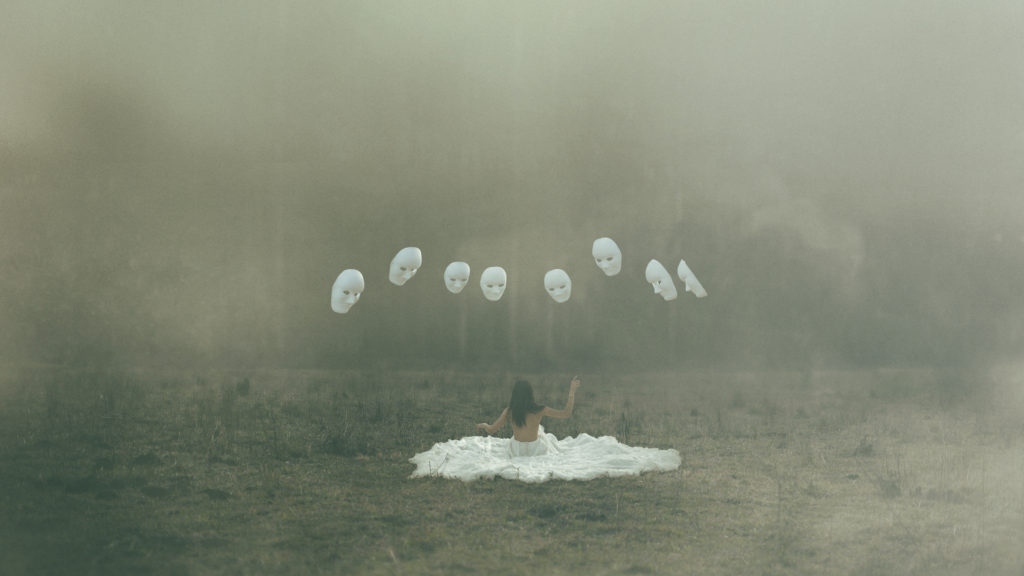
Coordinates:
<point>404,265</point>
<point>558,284</point>
<point>690,279</point>
<point>607,255</point>
<point>456,276</point>
<point>492,282</point>
<point>346,290</point>
<point>661,280</point>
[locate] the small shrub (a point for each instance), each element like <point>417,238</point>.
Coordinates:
<point>864,448</point>
<point>628,425</point>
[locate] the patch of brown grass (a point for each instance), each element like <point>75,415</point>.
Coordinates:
<point>305,472</point>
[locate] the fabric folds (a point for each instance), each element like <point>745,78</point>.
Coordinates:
<point>583,457</point>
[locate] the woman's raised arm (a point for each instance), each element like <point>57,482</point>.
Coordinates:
<point>568,405</point>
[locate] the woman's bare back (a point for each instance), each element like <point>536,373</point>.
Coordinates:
<point>528,431</point>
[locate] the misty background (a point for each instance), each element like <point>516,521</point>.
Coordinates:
<point>182,182</point>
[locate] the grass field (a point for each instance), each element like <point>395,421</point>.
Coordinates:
<point>295,472</point>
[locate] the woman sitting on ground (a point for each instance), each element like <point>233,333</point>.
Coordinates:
<point>526,415</point>
<point>532,455</point>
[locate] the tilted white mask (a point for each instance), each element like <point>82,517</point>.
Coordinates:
<point>690,279</point>
<point>346,290</point>
<point>404,265</point>
<point>456,276</point>
<point>558,284</point>
<point>661,280</point>
<point>607,255</point>
<point>492,282</point>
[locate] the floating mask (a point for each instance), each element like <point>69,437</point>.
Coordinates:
<point>346,290</point>
<point>661,280</point>
<point>690,279</point>
<point>492,282</point>
<point>558,284</point>
<point>404,265</point>
<point>607,256</point>
<point>456,276</point>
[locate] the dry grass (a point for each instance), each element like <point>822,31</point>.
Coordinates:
<point>306,473</point>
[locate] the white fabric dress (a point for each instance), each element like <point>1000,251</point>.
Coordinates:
<point>581,458</point>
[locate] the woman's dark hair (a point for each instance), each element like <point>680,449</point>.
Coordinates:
<point>522,403</point>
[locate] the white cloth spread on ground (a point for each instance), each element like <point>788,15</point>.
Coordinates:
<point>581,458</point>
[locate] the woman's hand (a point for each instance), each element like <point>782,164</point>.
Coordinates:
<point>486,427</point>
<point>574,384</point>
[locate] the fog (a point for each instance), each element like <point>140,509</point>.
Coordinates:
<point>181,182</point>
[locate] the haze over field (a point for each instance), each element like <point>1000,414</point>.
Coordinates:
<point>180,183</point>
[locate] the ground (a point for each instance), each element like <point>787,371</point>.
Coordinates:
<point>302,472</point>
